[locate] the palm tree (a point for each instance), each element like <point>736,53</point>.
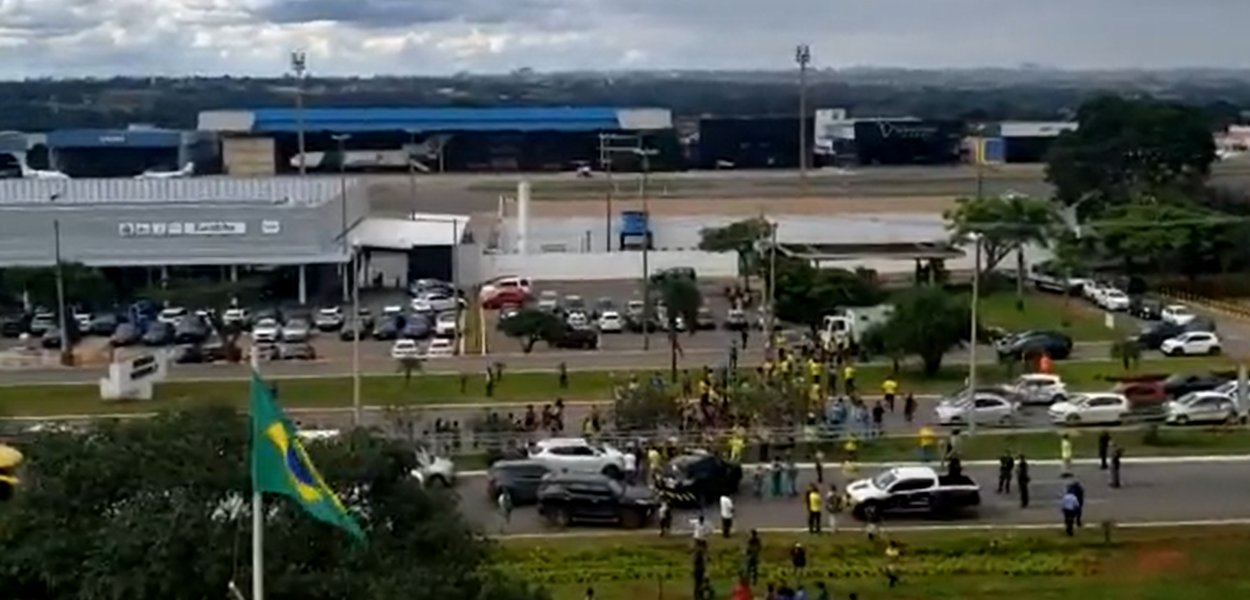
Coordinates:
<point>1030,222</point>
<point>682,299</point>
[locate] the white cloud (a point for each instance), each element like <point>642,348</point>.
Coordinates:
<point>253,37</point>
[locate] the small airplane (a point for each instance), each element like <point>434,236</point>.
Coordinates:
<point>187,170</point>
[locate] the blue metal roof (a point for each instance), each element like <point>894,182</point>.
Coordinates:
<point>426,120</point>
<point>114,138</point>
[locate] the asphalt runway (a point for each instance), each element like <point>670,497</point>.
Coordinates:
<point>1173,492</point>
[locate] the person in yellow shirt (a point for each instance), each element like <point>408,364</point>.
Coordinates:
<point>814,503</point>
<point>1065,454</point>
<point>736,444</point>
<point>889,388</point>
<point>848,379</point>
<point>654,461</point>
<point>928,443</point>
<point>850,462</point>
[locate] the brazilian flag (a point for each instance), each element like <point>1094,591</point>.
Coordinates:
<point>280,465</point>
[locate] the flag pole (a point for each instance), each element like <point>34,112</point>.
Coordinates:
<point>258,515</point>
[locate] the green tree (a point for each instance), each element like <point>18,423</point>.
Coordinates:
<point>742,237</point>
<point>806,294</point>
<point>681,298</point>
<point>83,285</point>
<point>155,509</point>
<point>927,322</point>
<point>1125,147</point>
<point>647,408</point>
<point>1157,234</point>
<point>1005,224</point>
<point>530,326</point>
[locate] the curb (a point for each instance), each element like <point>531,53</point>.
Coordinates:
<point>892,529</point>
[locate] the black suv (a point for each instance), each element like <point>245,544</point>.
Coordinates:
<point>576,339</point>
<point>699,479</point>
<point>569,498</point>
<point>521,478</point>
<point>1057,346</point>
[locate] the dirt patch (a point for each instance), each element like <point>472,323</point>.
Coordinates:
<point>1155,562</point>
<point>748,206</point>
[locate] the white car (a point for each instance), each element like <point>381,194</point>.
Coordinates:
<point>562,455</point>
<point>1114,300</point>
<point>405,348</point>
<point>434,302</point>
<point>1039,388</point>
<point>393,310</point>
<point>434,470</point>
<point>236,316</point>
<point>445,324</point>
<point>172,315</point>
<point>1178,314</point>
<point>577,320</point>
<point>1202,407</point>
<point>548,300</point>
<point>1191,343</point>
<point>983,409</point>
<point>501,284</point>
<point>611,322</point>
<point>266,331</point>
<point>1091,409</point>
<point>440,347</point>
<point>296,330</point>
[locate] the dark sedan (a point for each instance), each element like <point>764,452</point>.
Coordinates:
<point>1053,344</point>
<point>698,479</point>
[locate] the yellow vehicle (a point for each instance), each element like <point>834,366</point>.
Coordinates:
<point>10,462</point>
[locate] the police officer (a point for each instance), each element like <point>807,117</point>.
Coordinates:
<point>1104,443</point>
<point>1022,480</point>
<point>1006,466</point>
<point>1076,489</point>
<point>1117,455</point>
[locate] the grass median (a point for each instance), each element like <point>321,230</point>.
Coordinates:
<point>394,390</point>
<point>1195,563</point>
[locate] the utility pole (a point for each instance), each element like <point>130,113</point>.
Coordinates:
<point>610,145</point>
<point>341,140</point>
<point>803,57</point>
<point>299,66</point>
<point>644,192</point>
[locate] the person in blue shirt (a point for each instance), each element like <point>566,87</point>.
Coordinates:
<point>1071,507</point>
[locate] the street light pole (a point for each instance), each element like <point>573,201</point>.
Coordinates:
<point>299,66</point>
<point>644,191</point>
<point>357,408</point>
<point>341,141</point>
<point>973,330</point>
<point>67,352</point>
<point>803,57</point>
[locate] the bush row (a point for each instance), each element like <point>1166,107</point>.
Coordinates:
<point>828,568</point>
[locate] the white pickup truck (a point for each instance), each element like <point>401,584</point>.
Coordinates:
<point>912,490</point>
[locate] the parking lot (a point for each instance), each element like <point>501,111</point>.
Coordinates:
<point>621,292</point>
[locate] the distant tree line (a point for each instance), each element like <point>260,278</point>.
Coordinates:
<point>41,105</point>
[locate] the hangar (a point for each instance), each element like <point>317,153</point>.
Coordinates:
<point>267,141</point>
<point>83,153</point>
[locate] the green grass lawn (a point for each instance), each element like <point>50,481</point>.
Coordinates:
<point>1081,321</point>
<point>392,390</point>
<point>1136,564</point>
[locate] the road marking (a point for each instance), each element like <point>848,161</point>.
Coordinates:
<point>889,529</point>
<point>1138,460</point>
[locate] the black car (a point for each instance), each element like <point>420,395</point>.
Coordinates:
<point>570,498</point>
<point>1057,346</point>
<point>191,330</point>
<point>1145,309</point>
<point>521,478</point>
<point>698,479</point>
<point>575,339</point>
<point>199,353</point>
<point>158,334</point>
<point>1179,384</point>
<point>1154,337</point>
<point>388,328</point>
<point>12,326</point>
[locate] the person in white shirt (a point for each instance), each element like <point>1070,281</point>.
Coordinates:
<point>631,468</point>
<point>700,529</point>
<point>726,515</point>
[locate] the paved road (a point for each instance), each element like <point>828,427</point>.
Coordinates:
<point>372,364</point>
<point>1151,492</point>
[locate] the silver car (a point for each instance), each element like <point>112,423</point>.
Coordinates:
<point>296,330</point>
<point>434,470</point>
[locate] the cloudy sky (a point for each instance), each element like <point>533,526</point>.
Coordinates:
<point>254,37</point>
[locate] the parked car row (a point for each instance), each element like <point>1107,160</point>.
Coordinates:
<point>1180,399</point>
